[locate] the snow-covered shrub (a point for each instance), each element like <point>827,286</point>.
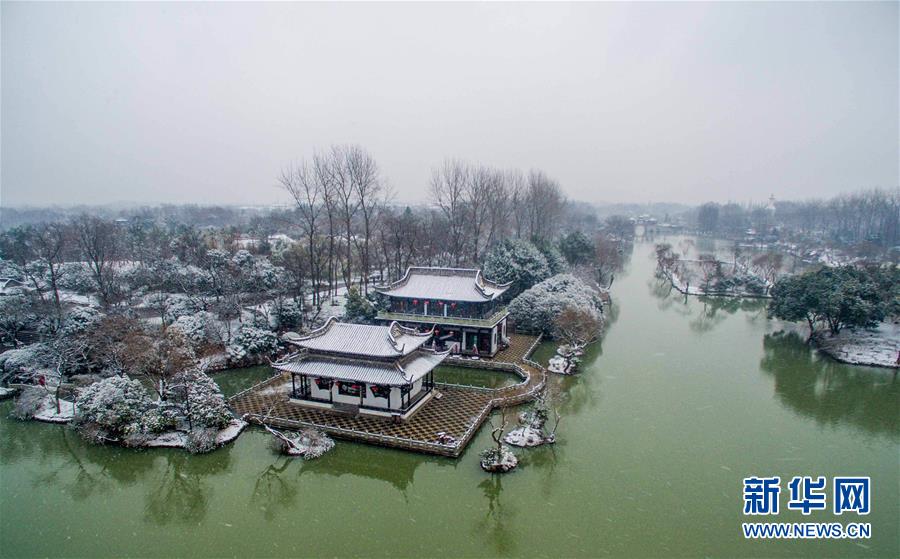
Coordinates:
<point>199,329</point>
<point>75,276</point>
<point>112,408</point>
<point>754,285</point>
<point>17,315</point>
<point>179,305</point>
<point>259,320</point>
<point>517,261</point>
<point>288,314</point>
<point>576,248</point>
<point>242,258</point>
<point>537,308</point>
<point>263,275</point>
<point>192,278</point>
<point>162,417</point>
<point>29,358</point>
<point>28,402</point>
<point>358,309</point>
<point>78,320</point>
<point>9,269</point>
<point>201,440</point>
<point>555,259</point>
<point>201,400</point>
<point>252,342</point>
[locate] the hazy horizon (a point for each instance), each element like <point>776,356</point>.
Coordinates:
<point>621,103</point>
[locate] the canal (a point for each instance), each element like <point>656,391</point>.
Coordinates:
<point>678,403</point>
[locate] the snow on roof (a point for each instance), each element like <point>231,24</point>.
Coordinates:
<point>361,339</point>
<point>397,373</point>
<point>450,284</point>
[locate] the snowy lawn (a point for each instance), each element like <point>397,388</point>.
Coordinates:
<point>876,346</point>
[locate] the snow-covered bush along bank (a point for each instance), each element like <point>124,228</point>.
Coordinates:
<point>537,308</point>
<point>194,416</point>
<point>252,343</point>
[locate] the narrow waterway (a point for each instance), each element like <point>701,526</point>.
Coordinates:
<point>680,401</point>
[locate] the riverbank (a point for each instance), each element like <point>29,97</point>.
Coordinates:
<point>685,288</point>
<point>875,347</point>
<point>47,411</point>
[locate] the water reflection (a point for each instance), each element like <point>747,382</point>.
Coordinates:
<point>273,490</point>
<point>498,523</point>
<point>713,311</point>
<point>392,466</point>
<point>181,491</point>
<point>829,392</point>
<point>704,313</point>
<point>72,466</point>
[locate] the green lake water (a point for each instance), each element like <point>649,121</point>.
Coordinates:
<point>678,403</point>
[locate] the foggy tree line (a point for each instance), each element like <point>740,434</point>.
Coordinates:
<point>864,217</point>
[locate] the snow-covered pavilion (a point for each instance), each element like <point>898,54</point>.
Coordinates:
<point>462,307</point>
<point>378,370</point>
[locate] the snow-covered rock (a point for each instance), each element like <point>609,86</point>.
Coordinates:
<point>6,392</point>
<point>498,462</point>
<point>561,366</point>
<point>524,436</point>
<point>566,350</point>
<point>306,444</point>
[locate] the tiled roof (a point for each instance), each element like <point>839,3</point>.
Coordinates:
<point>447,284</point>
<point>398,373</point>
<point>360,339</point>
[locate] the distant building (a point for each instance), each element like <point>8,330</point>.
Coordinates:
<point>376,370</point>
<point>460,304</point>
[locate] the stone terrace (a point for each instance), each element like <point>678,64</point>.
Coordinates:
<point>459,412</point>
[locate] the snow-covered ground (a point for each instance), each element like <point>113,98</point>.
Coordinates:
<point>47,411</point>
<point>876,346</point>
<point>178,439</point>
<point>77,298</point>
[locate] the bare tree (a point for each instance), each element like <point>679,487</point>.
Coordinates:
<point>367,185</point>
<point>51,241</point>
<point>340,174</point>
<point>97,240</point>
<point>477,194</point>
<point>498,207</point>
<point>157,355</point>
<point>545,205</point>
<point>306,184</point>
<point>448,185</point>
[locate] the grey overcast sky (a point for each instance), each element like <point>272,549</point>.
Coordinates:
<point>638,102</point>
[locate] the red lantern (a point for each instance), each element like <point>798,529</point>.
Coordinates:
<point>440,303</point>
<point>415,301</point>
<point>427,301</point>
<point>452,305</point>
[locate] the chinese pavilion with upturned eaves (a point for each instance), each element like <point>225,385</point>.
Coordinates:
<point>460,305</point>
<point>376,370</point>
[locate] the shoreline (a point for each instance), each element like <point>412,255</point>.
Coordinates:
<point>869,347</point>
